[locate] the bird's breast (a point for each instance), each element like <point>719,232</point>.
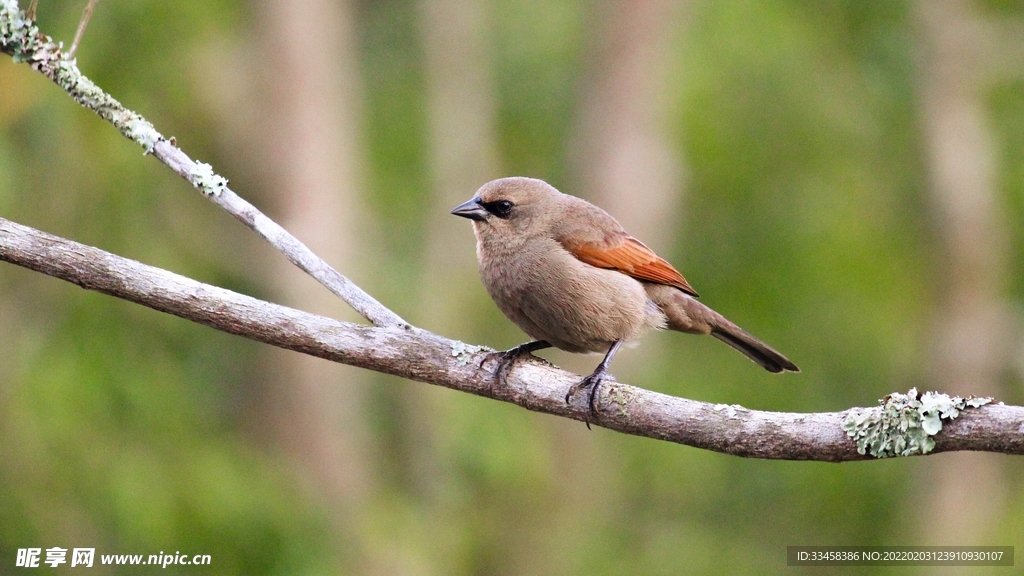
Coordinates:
<point>553,296</point>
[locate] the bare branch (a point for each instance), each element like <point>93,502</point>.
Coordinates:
<point>420,355</point>
<point>82,24</point>
<point>297,252</point>
<point>23,41</point>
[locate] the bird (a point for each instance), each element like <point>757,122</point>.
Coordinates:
<point>569,275</point>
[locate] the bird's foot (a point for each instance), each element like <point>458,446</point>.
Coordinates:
<point>593,382</point>
<point>508,358</point>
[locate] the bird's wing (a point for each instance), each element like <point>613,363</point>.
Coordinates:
<point>630,256</point>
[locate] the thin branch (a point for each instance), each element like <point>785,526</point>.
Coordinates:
<point>82,24</point>
<point>21,39</point>
<point>420,355</point>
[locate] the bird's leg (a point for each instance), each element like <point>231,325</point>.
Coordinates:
<point>508,358</point>
<point>594,381</point>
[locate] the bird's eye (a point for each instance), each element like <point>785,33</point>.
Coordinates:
<point>500,208</point>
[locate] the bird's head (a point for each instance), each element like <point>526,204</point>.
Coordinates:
<point>510,209</point>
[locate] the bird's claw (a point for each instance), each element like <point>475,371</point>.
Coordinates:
<point>593,382</point>
<point>508,358</point>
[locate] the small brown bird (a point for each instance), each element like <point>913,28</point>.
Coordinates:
<point>567,274</point>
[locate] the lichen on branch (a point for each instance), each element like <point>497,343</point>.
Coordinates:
<point>20,38</point>
<point>904,424</point>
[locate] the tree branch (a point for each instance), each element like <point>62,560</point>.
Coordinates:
<point>20,38</point>
<point>420,355</point>
<point>396,348</point>
<point>83,23</point>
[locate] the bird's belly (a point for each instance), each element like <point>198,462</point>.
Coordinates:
<point>574,306</point>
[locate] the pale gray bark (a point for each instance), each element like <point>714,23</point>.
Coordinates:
<point>318,411</point>
<point>416,354</point>
<point>624,158</point>
<point>47,57</point>
<point>972,329</point>
<point>462,151</point>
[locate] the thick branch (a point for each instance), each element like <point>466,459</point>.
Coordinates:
<point>22,40</point>
<point>419,355</point>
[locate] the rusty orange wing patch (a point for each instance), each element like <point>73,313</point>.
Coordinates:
<point>631,257</point>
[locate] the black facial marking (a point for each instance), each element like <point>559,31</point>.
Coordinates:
<point>500,208</point>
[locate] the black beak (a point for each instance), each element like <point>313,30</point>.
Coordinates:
<point>472,210</point>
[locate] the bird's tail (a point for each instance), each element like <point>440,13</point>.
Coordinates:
<point>765,356</point>
<point>686,314</point>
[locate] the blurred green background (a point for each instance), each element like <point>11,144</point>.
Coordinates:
<point>842,178</point>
